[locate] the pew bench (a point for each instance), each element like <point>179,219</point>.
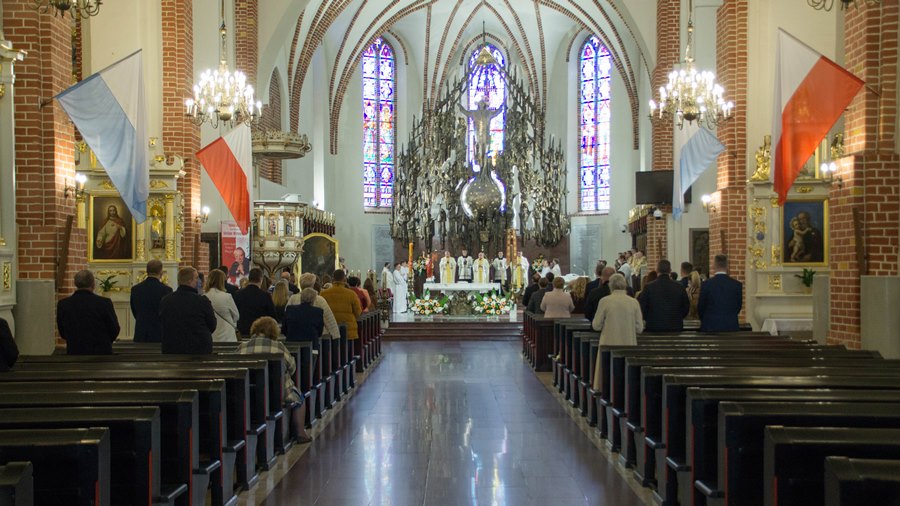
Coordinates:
<point>861,482</point>
<point>17,484</point>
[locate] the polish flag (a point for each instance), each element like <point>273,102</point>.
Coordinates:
<point>229,162</point>
<point>811,93</point>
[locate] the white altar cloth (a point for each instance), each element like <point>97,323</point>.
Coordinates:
<point>461,287</point>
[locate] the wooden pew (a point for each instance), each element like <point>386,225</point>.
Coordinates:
<point>794,459</point>
<point>540,343</point>
<point>134,436</point>
<point>17,484</point>
<point>697,458</point>
<point>71,466</point>
<point>740,442</point>
<point>183,433</point>
<point>861,482</point>
<point>179,444</point>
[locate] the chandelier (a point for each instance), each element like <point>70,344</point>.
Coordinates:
<point>222,97</point>
<point>76,8</point>
<point>827,5</point>
<point>691,95</point>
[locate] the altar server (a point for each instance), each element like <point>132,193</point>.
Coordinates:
<point>448,269</point>
<point>464,267</point>
<point>400,290</point>
<point>519,270</point>
<point>387,277</point>
<point>500,265</point>
<point>555,268</point>
<point>482,269</point>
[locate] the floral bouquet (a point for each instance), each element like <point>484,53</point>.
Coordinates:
<point>427,306</point>
<point>538,263</point>
<point>418,266</point>
<point>491,304</point>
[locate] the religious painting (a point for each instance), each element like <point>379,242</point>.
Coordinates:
<point>320,255</point>
<point>112,230</point>
<point>700,250</point>
<point>157,227</point>
<point>805,232</point>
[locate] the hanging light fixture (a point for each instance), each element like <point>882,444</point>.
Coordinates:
<point>827,5</point>
<point>76,8</point>
<point>222,97</point>
<point>691,95</point>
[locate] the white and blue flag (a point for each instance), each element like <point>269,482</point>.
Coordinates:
<point>108,110</point>
<point>700,151</point>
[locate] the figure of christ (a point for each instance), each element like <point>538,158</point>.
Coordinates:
<point>448,269</point>
<point>481,118</point>
<point>111,236</point>
<point>482,269</point>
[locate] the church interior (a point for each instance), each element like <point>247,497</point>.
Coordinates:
<point>443,156</point>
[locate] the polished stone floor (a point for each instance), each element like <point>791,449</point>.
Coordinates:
<point>453,423</point>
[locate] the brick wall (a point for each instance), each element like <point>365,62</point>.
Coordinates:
<point>728,224</point>
<point>180,136</point>
<point>871,172</point>
<point>246,39</point>
<point>271,120</point>
<point>44,147</point>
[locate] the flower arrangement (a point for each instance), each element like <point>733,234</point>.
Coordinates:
<point>491,304</point>
<point>419,265</point>
<point>427,306</point>
<point>538,263</point>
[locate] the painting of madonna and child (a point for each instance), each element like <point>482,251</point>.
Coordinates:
<point>805,232</point>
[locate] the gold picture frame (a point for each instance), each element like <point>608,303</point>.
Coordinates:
<point>318,249</point>
<point>115,234</point>
<point>801,219</point>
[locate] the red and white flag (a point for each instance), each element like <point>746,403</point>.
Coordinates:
<point>229,162</point>
<point>811,93</point>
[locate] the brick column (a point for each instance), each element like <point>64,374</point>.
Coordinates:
<point>44,145</point>
<point>668,53</point>
<point>271,120</point>
<point>871,171</point>
<point>728,224</point>
<point>180,136</point>
<point>246,39</point>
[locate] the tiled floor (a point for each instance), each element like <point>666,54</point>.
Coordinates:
<point>453,423</point>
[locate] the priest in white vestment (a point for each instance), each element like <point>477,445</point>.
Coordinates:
<point>400,290</point>
<point>519,272</point>
<point>464,267</point>
<point>448,269</point>
<point>500,265</point>
<point>555,268</point>
<point>387,277</point>
<point>482,269</point>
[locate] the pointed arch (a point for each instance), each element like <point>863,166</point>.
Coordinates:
<point>594,119</point>
<point>379,83</point>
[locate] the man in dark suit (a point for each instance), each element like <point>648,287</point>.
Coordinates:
<point>664,302</point>
<point>288,276</point>
<point>187,318</point>
<point>593,285</point>
<point>530,289</point>
<point>145,298</point>
<point>9,352</point>
<point>231,289</point>
<point>253,302</point>
<point>534,303</point>
<point>594,296</point>
<point>721,297</point>
<point>87,321</point>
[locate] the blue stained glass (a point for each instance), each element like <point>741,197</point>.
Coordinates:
<point>595,118</point>
<point>379,85</point>
<point>487,81</point>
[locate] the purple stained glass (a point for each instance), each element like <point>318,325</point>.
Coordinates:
<point>379,85</point>
<point>595,118</point>
<point>487,82</point>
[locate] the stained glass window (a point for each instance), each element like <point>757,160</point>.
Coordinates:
<point>379,109</point>
<point>594,121</point>
<point>487,82</point>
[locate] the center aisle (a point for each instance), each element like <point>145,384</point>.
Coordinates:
<point>452,423</point>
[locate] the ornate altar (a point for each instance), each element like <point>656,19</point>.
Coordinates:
<point>279,229</point>
<point>119,254</point>
<point>438,193</point>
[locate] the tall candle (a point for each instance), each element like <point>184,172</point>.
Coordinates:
<point>410,253</point>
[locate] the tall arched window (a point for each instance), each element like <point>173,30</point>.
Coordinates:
<point>594,121</point>
<point>492,84</point>
<point>379,110</point>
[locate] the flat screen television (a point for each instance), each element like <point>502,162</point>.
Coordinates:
<point>655,187</point>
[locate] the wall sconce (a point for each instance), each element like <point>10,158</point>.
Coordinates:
<point>203,217</point>
<point>828,170</point>
<point>78,189</point>
<point>708,205</point>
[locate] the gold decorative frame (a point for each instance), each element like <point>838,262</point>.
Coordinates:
<point>793,206</point>
<point>308,241</point>
<point>92,226</point>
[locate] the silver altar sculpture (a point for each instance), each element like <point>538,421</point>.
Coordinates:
<point>439,194</point>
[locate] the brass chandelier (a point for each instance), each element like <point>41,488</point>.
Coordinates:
<point>691,95</point>
<point>76,8</point>
<point>222,97</point>
<point>827,5</point>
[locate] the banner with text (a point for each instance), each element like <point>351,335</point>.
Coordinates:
<point>235,252</point>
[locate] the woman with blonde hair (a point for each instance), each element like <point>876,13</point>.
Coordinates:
<point>223,305</point>
<point>280,295</point>
<point>693,291</point>
<point>578,291</point>
<point>264,334</point>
